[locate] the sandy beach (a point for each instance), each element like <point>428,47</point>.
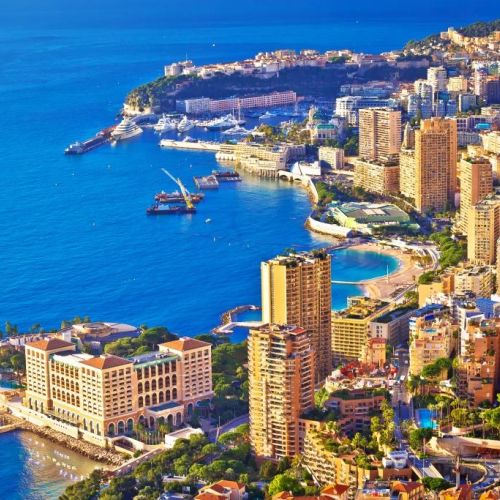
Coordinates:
<point>383,287</point>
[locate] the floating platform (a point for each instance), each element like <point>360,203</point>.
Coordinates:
<point>163,209</point>
<point>207,182</point>
<point>177,197</point>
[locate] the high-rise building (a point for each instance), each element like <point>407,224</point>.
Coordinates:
<point>484,230</point>
<point>281,382</point>
<point>457,84</point>
<point>476,182</point>
<point>428,173</point>
<point>379,134</point>
<point>296,290</point>
<point>377,177</point>
<point>437,78</point>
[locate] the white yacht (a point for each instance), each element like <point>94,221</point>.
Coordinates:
<point>185,124</point>
<point>266,115</point>
<point>125,130</point>
<point>165,124</point>
<point>236,130</point>
<point>222,123</point>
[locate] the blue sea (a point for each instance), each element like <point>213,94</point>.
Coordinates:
<point>74,237</point>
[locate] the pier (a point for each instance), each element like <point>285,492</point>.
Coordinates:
<point>192,145</point>
<point>227,320</point>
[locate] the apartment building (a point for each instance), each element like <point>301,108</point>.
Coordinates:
<point>392,326</point>
<point>331,157</point>
<point>484,230</point>
<point>281,379</point>
<point>379,134</point>
<point>476,182</point>
<point>431,340</point>
<point>478,371</point>
<point>479,280</point>
<point>351,327</point>
<point>296,289</point>
<point>377,177</point>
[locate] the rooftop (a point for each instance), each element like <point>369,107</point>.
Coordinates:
<point>105,362</point>
<point>50,344</point>
<point>185,344</point>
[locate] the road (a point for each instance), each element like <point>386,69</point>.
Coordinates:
<point>228,426</point>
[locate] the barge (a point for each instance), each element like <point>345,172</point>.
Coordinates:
<point>78,148</point>
<point>206,182</point>
<point>177,197</point>
<point>165,209</point>
<point>226,176</point>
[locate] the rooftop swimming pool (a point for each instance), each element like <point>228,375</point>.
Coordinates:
<point>425,418</point>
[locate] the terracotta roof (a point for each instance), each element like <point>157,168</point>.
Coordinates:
<point>335,489</point>
<point>229,484</point>
<point>105,362</point>
<point>210,496</point>
<point>49,344</point>
<point>282,495</point>
<point>406,487</point>
<point>185,344</point>
<point>490,495</point>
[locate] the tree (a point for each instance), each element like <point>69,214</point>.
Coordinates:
<point>417,436</point>
<point>267,470</point>
<point>320,398</point>
<point>283,482</point>
<point>435,483</point>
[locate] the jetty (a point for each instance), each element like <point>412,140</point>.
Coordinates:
<point>228,323</point>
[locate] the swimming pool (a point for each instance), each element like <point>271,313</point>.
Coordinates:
<point>425,418</point>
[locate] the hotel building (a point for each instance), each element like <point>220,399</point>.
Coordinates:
<point>476,182</point>
<point>95,397</point>
<point>351,327</point>
<point>281,380</point>
<point>484,230</point>
<point>296,290</point>
<point>379,134</point>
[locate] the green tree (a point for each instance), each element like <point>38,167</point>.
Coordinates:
<point>284,482</point>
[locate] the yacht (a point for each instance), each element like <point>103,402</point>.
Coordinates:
<point>165,124</point>
<point>266,115</point>
<point>125,130</point>
<point>236,130</point>
<point>185,124</point>
<point>222,123</point>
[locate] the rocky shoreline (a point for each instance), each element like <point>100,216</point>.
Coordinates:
<point>84,448</point>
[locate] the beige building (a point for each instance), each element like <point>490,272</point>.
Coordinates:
<point>296,290</point>
<point>457,84</point>
<point>431,340</point>
<point>491,142</point>
<point>351,327</point>
<point>476,182</point>
<point>331,157</point>
<point>484,230</point>
<point>281,381</point>
<point>432,166</point>
<point>479,280</point>
<point>99,397</point>
<point>379,134</point>
<point>376,177</point>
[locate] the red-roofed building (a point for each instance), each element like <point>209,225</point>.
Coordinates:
<point>223,490</point>
<point>330,492</point>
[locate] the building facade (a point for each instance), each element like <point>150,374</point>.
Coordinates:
<point>281,380</point>
<point>377,177</point>
<point>296,289</point>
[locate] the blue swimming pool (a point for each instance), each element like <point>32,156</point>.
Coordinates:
<point>425,418</point>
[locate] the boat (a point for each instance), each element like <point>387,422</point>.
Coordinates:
<point>80,147</point>
<point>208,221</point>
<point>166,209</point>
<point>267,115</point>
<point>185,124</point>
<point>165,124</point>
<point>222,123</point>
<point>236,130</point>
<point>206,182</point>
<point>126,129</point>
<point>226,175</point>
<point>177,197</point>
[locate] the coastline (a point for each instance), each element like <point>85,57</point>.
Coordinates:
<point>384,286</point>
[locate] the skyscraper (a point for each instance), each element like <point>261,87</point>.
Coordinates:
<point>379,134</point>
<point>476,182</point>
<point>484,230</point>
<point>281,381</point>
<point>296,290</point>
<point>431,166</point>
<point>437,78</point>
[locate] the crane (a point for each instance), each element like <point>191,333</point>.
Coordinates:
<point>184,191</point>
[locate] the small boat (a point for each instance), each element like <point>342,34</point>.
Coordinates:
<point>165,209</point>
<point>267,115</point>
<point>208,221</point>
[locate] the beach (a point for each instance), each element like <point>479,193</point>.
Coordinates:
<point>384,287</point>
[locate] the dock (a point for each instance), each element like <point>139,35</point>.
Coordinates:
<point>207,182</point>
<point>193,145</point>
